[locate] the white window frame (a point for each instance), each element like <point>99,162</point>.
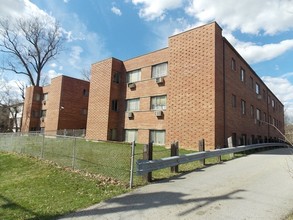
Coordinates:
<point>273,103</point>
<point>133,76</point>
<point>43,113</point>
<point>132,105</point>
<point>160,70</point>
<point>242,74</point>
<point>258,114</point>
<point>158,137</point>
<point>257,88</point>
<point>130,135</point>
<point>159,102</point>
<point>252,111</point>
<point>45,96</point>
<point>233,64</point>
<point>243,107</point>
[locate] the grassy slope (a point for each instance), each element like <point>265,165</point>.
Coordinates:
<point>32,189</point>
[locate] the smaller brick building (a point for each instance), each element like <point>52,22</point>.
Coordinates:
<point>61,105</point>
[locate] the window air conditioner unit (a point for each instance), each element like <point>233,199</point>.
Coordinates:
<point>130,114</point>
<point>44,102</point>
<point>158,113</point>
<point>159,80</point>
<point>131,85</point>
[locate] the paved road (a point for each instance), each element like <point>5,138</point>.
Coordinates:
<point>259,186</point>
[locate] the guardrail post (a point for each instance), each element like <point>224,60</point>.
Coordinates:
<point>148,155</point>
<point>175,152</point>
<point>201,147</point>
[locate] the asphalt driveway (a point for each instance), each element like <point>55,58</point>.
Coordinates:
<point>258,186</point>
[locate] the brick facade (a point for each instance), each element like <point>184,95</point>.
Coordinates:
<point>61,105</point>
<point>200,87</point>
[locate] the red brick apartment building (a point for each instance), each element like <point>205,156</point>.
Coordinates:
<point>198,87</point>
<point>61,105</point>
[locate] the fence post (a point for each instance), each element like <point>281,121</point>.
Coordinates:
<point>175,152</point>
<point>74,153</point>
<point>132,164</point>
<point>201,147</point>
<point>148,155</point>
<point>230,145</point>
<point>43,145</point>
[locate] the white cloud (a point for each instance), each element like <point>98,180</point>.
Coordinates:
<point>283,89</point>
<point>74,55</point>
<point>52,74</point>
<point>21,9</point>
<point>53,65</point>
<point>154,9</point>
<point>249,16</point>
<point>116,11</point>
<point>253,53</point>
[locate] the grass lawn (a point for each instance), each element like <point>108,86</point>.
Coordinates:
<point>34,189</point>
<point>289,217</point>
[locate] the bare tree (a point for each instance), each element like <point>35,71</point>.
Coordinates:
<point>22,86</point>
<point>86,74</point>
<point>11,106</point>
<point>29,44</point>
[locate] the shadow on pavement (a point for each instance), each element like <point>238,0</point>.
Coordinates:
<point>139,201</point>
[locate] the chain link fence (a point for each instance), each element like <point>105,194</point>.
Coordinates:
<point>110,160</point>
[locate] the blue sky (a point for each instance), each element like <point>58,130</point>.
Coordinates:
<point>261,31</point>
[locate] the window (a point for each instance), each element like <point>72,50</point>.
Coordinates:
<point>133,76</point>
<point>233,64</point>
<point>270,119</point>
<point>257,88</point>
<point>243,107</point>
<point>251,83</point>
<point>113,134</point>
<point>45,96</point>
<point>264,94</point>
<point>37,97</point>
<point>85,93</point>
<point>158,137</point>
<point>132,105</point>
<point>130,135</point>
<point>35,114</point>
<point>243,139</point>
<point>234,101</point>
<point>273,103</point>
<point>116,78</point>
<point>114,106</point>
<point>269,99</point>
<point>84,111</point>
<point>258,114</point>
<point>234,139</point>
<point>242,75</point>
<point>264,116</point>
<point>159,70</point>
<point>43,113</point>
<point>158,102</point>
<point>274,122</point>
<point>252,111</point>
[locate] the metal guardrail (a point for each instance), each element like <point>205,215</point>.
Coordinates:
<point>146,166</point>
